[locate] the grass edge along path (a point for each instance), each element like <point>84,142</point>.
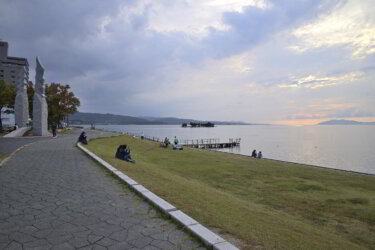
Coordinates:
<point>263,203</point>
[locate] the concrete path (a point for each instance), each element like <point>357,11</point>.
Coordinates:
<point>52,196</point>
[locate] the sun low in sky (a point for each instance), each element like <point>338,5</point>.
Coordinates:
<point>281,62</point>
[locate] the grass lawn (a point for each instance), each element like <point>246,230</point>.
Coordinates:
<point>262,203</point>
<point>3,133</point>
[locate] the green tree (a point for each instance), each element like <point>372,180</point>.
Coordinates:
<point>30,96</point>
<point>61,102</point>
<point>7,98</point>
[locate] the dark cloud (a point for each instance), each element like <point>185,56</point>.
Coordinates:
<point>109,65</point>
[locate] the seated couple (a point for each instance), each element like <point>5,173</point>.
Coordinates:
<point>123,153</point>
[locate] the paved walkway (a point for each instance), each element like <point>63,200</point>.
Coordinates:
<point>8,145</point>
<point>52,196</point>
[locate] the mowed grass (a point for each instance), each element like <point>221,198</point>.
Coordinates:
<point>263,203</point>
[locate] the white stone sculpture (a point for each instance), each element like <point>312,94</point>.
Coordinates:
<point>21,103</point>
<point>40,109</point>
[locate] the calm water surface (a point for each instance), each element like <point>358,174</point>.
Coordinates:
<point>342,147</point>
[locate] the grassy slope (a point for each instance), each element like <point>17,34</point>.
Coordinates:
<point>267,203</point>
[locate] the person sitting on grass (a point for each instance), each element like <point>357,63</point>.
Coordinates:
<point>260,156</point>
<point>254,154</point>
<point>123,153</point>
<point>82,138</point>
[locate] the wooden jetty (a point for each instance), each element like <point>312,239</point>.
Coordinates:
<point>211,143</point>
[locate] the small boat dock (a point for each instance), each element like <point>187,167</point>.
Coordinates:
<point>211,143</point>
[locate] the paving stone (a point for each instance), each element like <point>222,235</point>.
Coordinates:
<point>162,244</point>
<point>21,237</point>
<point>79,242</point>
<point>98,247</point>
<point>94,238</point>
<point>119,236</point>
<point>52,195</point>
<point>38,244</point>
<point>152,248</point>
<point>63,246</point>
<point>13,246</point>
<point>106,242</point>
<point>141,242</point>
<point>120,246</point>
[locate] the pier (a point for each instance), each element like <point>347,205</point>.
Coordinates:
<point>196,143</point>
<point>211,143</point>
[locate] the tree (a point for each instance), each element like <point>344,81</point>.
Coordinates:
<point>30,96</point>
<point>7,98</point>
<point>61,102</point>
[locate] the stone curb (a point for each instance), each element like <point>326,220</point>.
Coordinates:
<point>13,153</point>
<point>209,238</point>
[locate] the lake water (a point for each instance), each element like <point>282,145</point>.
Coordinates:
<point>343,147</point>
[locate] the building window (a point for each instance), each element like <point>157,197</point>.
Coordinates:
<point>12,76</point>
<point>12,71</point>
<point>13,82</point>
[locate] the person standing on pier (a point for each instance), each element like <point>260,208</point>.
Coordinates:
<point>175,140</point>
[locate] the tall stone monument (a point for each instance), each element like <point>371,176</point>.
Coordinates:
<point>21,103</point>
<point>40,109</point>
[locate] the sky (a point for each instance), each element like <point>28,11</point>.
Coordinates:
<point>292,62</point>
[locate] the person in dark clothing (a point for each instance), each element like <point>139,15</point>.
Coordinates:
<point>117,155</point>
<point>54,130</point>
<point>123,153</point>
<point>254,154</point>
<point>166,142</point>
<point>82,138</point>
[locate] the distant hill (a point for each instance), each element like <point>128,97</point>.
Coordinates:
<point>345,122</point>
<point>96,118</point>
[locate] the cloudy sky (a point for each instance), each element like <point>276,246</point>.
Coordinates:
<point>272,61</point>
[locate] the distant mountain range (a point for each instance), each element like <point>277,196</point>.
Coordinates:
<point>345,122</point>
<point>96,118</point>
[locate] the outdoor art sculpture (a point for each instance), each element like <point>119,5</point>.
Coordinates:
<point>21,103</point>
<point>40,109</point>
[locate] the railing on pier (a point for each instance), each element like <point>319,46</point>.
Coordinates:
<point>211,143</point>
<point>195,143</point>
<point>146,137</point>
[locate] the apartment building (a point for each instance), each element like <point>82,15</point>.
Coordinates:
<point>13,70</point>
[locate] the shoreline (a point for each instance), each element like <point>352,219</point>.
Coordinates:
<point>297,163</point>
